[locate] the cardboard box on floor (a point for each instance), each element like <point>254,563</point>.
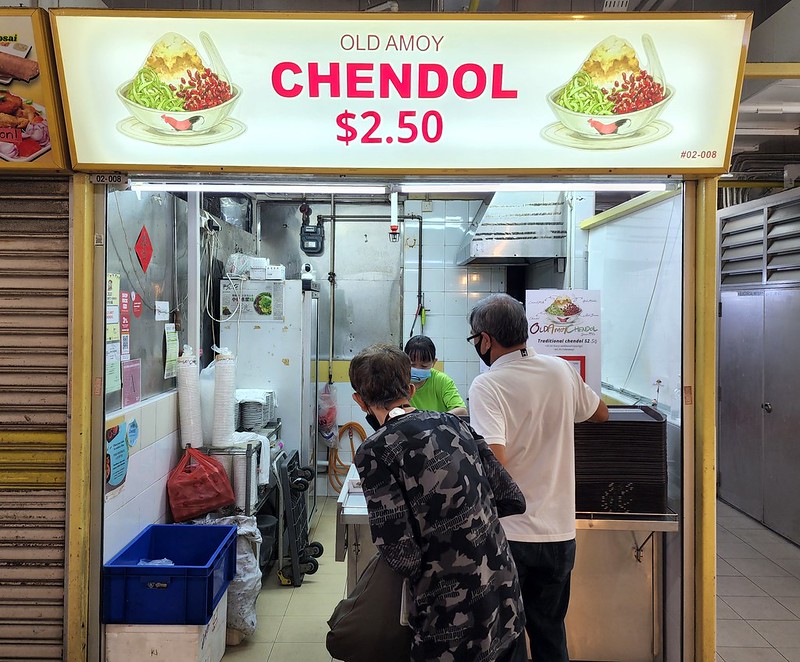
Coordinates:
<point>176,643</point>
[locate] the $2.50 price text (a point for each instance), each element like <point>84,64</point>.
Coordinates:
<point>367,128</point>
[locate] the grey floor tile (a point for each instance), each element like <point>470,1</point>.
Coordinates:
<point>739,634</point>
<point>791,654</point>
<point>735,522</point>
<point>737,586</point>
<point>759,568</point>
<point>725,536</point>
<point>737,550</point>
<point>724,510</point>
<point>725,569</point>
<point>762,608</point>
<point>750,655</point>
<point>791,565</point>
<point>762,535</point>
<point>785,587</point>
<point>778,550</point>
<point>725,612</point>
<point>792,604</point>
<point>777,633</point>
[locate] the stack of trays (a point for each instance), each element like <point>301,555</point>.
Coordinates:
<point>621,465</point>
<point>256,408</point>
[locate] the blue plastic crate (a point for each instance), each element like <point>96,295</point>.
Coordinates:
<point>182,594</point>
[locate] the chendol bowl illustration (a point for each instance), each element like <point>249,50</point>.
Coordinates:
<point>177,121</point>
<point>612,94</point>
<point>607,126</point>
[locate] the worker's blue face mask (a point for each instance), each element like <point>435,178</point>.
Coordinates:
<point>419,375</point>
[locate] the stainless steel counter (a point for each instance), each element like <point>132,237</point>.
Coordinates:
<point>616,607</point>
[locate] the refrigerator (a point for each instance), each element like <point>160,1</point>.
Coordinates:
<point>272,327</point>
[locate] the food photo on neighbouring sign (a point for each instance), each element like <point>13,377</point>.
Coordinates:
<point>463,92</point>
<point>24,126</point>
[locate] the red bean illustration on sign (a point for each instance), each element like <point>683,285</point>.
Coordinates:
<point>605,129</point>
<point>182,125</point>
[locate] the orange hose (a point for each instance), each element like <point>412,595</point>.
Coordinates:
<point>336,468</point>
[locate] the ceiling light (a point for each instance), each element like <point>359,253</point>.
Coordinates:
<point>211,187</point>
<point>489,187</point>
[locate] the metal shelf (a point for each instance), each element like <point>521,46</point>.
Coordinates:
<point>667,522</point>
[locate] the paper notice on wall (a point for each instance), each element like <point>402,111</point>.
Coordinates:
<point>112,314</point>
<point>115,456</point>
<point>171,364</point>
<point>113,376</point>
<point>566,323</point>
<point>131,382</point>
<point>162,311</point>
<point>112,332</point>
<point>112,290</point>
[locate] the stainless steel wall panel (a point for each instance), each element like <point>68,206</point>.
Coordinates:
<point>741,337</point>
<point>781,416</point>
<point>127,213</point>
<point>368,297</point>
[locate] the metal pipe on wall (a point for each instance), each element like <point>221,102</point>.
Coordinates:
<point>332,281</point>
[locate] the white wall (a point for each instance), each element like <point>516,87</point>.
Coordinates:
<point>143,499</point>
<point>450,291</point>
<point>637,263</point>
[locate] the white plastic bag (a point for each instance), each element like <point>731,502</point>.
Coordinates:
<point>237,264</point>
<point>246,585</point>
<point>207,402</point>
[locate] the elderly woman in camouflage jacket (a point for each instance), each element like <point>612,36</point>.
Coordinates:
<point>434,494</point>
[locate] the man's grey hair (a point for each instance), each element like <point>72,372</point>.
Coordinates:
<point>502,317</point>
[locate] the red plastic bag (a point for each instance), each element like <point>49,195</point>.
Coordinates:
<point>326,416</point>
<point>198,488</point>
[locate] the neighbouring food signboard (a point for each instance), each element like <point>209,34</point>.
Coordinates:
<point>465,93</point>
<point>30,116</point>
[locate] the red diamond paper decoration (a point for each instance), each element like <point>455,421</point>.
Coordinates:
<point>144,249</point>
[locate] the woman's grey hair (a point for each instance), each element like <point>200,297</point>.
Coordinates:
<point>502,317</point>
<point>381,375</point>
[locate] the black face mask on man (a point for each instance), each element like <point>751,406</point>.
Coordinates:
<point>373,421</point>
<point>485,356</point>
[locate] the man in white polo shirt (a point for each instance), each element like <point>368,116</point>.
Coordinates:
<point>526,406</point>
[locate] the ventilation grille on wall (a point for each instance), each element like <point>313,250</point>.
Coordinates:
<point>742,248</point>
<point>760,245</point>
<point>783,243</point>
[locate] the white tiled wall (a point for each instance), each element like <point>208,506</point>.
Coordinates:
<point>450,291</point>
<point>143,499</point>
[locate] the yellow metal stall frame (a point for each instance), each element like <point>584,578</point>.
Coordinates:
<point>80,421</point>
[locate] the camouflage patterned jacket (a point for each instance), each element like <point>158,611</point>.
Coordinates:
<point>433,491</point>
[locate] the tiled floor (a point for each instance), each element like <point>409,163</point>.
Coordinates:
<point>292,621</point>
<point>758,592</point>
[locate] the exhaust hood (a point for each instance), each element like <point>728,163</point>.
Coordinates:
<point>516,228</point>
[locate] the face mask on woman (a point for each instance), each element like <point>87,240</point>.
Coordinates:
<point>420,375</point>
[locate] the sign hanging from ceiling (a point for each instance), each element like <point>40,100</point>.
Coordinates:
<point>30,117</point>
<point>390,94</point>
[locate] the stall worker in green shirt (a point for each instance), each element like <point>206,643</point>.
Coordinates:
<point>435,391</point>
